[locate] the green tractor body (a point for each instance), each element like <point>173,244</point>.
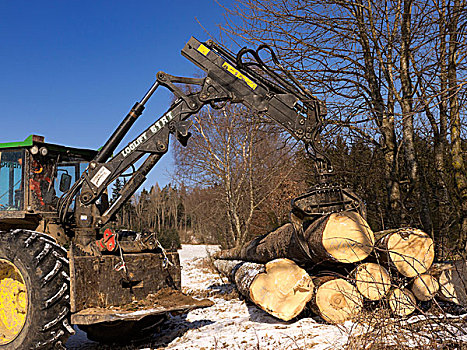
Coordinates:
<point>47,285</point>
<point>33,175</point>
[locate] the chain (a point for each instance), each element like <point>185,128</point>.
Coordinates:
<point>166,262</point>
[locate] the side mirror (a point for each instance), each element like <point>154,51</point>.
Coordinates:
<point>65,182</point>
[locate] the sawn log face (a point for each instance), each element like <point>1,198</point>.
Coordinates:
<point>281,287</point>
<point>453,283</point>
<point>283,290</point>
<point>372,280</point>
<point>339,237</point>
<point>343,237</point>
<point>335,299</point>
<point>409,250</point>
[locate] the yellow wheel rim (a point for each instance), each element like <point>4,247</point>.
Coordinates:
<point>13,302</point>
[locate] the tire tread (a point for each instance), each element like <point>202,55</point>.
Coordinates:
<point>48,271</point>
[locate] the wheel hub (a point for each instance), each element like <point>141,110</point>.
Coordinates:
<point>13,302</point>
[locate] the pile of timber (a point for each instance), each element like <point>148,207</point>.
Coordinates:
<point>336,266</point>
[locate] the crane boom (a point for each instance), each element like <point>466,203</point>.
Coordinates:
<point>274,93</point>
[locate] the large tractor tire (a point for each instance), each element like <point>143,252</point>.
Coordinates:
<point>34,292</point>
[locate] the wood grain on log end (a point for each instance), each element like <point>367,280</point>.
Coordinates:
<point>336,300</point>
<point>402,301</point>
<point>425,287</point>
<point>347,237</point>
<point>372,280</point>
<point>453,283</point>
<point>410,250</point>
<point>283,290</point>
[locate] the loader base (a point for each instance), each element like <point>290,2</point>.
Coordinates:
<point>165,301</point>
<point>100,282</point>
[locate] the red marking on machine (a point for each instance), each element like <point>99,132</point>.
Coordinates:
<point>108,242</point>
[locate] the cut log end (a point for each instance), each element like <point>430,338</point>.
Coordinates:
<point>372,280</point>
<point>453,283</point>
<point>337,300</point>
<point>410,250</point>
<point>402,302</point>
<point>347,237</point>
<point>425,287</point>
<point>283,291</point>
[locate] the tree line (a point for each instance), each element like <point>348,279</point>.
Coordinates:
<point>393,75</point>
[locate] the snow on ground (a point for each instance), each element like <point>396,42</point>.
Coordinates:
<point>230,323</point>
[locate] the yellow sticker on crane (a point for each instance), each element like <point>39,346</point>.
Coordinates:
<point>203,49</point>
<point>239,75</point>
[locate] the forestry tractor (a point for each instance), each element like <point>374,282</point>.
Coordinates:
<point>60,263</point>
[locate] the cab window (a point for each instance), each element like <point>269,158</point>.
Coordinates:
<point>74,169</point>
<point>11,175</point>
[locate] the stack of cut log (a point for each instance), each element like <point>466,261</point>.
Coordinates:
<point>336,266</point>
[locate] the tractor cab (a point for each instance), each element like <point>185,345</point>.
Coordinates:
<point>33,176</point>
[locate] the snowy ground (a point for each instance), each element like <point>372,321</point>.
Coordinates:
<point>230,323</point>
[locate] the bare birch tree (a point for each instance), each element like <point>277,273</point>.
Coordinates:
<point>241,160</point>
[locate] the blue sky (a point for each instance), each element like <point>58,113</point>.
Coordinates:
<point>71,70</point>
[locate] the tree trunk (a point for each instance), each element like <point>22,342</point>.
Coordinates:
<point>372,280</point>
<point>280,287</point>
<point>384,114</point>
<point>337,238</point>
<point>456,142</point>
<point>241,273</point>
<point>409,250</point>
<point>406,103</point>
<point>335,299</point>
<point>280,243</point>
<point>440,141</point>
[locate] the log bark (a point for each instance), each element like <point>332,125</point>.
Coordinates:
<point>372,280</point>
<point>281,243</point>
<point>425,287</point>
<point>410,251</point>
<point>280,287</point>
<point>335,299</point>
<point>241,273</point>
<point>402,302</point>
<point>437,268</point>
<point>453,283</point>
<point>336,238</point>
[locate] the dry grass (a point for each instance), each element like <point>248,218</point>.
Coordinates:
<point>378,329</point>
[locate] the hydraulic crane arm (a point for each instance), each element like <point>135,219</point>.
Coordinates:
<point>228,79</point>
